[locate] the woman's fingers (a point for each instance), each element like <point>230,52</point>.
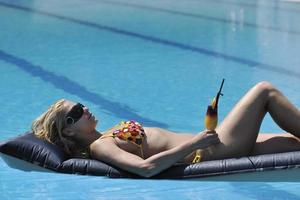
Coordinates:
<point>208,138</point>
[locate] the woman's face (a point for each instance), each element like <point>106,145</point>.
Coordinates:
<point>79,119</point>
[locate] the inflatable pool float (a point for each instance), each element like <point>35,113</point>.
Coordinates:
<point>29,153</point>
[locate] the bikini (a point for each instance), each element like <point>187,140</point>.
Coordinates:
<point>131,131</point>
<point>197,157</point>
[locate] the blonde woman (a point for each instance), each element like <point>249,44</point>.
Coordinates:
<point>147,151</point>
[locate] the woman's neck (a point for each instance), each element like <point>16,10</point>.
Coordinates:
<point>93,136</point>
<point>90,138</point>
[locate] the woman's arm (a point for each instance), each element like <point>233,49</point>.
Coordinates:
<point>155,164</point>
<point>158,162</point>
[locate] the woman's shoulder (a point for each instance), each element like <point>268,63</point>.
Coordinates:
<point>100,146</point>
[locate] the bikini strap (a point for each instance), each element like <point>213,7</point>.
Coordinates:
<point>142,152</point>
<point>197,157</point>
<point>109,131</point>
<point>106,135</point>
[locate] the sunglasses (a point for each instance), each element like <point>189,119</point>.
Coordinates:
<point>75,113</point>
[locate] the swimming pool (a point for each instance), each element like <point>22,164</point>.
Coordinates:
<point>159,62</point>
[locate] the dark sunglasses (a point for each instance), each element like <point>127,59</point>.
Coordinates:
<point>75,113</point>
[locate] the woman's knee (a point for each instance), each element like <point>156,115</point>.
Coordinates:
<point>267,87</point>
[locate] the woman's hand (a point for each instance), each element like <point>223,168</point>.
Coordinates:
<point>207,138</point>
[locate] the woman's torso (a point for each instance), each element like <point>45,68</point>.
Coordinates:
<point>155,141</point>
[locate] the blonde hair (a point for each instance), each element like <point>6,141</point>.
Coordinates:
<point>49,126</point>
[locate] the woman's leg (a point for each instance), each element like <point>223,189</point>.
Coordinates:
<point>275,143</point>
<point>239,130</point>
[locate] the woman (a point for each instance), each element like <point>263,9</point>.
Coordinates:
<point>147,151</point>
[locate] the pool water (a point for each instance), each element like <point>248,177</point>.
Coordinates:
<point>159,62</point>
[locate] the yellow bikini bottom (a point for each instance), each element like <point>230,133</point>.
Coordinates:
<point>197,157</point>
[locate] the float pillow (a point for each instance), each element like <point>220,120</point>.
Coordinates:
<point>29,148</point>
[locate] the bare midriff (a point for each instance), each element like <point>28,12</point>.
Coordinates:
<point>156,141</point>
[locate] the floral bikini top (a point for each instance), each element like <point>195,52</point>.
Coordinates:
<point>130,130</point>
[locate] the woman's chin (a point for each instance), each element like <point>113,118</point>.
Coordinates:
<point>95,123</point>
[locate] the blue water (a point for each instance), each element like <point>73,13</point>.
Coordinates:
<point>159,62</point>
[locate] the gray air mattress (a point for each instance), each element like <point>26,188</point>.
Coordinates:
<point>29,148</point>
